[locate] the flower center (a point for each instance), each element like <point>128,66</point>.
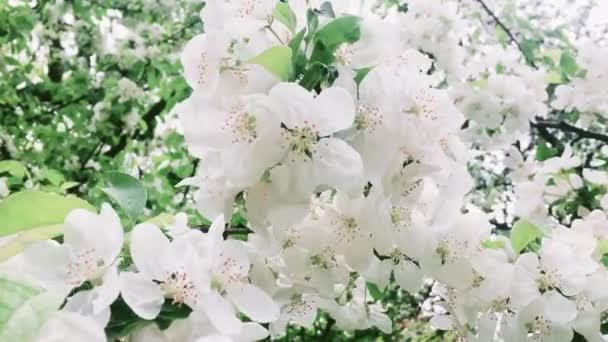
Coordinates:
<point>326,259</point>
<point>179,286</point>
<point>347,229</point>
<point>302,141</point>
<point>344,54</point>
<point>241,124</point>
<point>401,217</point>
<point>539,327</point>
<point>84,267</point>
<point>298,307</point>
<point>547,280</point>
<point>368,118</point>
<point>247,8</point>
<point>229,272</point>
<point>203,69</point>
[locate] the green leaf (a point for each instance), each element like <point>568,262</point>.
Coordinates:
<point>529,48</point>
<point>327,9</point>
<point>374,291</point>
<point>25,322</point>
<point>53,176</point>
<point>283,13</point>
<point>343,30</point>
<point>35,209</point>
<point>162,220</point>
<point>339,31</point>
<point>314,75</point>
<point>126,191</point>
<point>12,295</point>
<point>360,75</point>
<point>22,240</point>
<point>298,58</point>
<point>68,185</point>
<point>502,36</point>
<point>312,23</point>
<point>493,244</point>
<point>522,234</point>
<point>170,313</point>
<point>604,260</point>
<point>553,77</point>
<point>544,152</point>
<point>602,247</point>
<point>13,168</point>
<point>276,60</point>
<point>568,64</point>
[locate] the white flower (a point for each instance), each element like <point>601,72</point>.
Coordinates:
<point>166,269</point>
<point>315,157</point>
<point>4,190</point>
<point>92,245</point>
<point>215,63</point>
<point>239,16</point>
<point>377,123</point>
<point>229,265</point>
<point>243,129</point>
<point>65,326</point>
<point>549,318</point>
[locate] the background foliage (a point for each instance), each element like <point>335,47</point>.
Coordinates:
<point>88,86</point>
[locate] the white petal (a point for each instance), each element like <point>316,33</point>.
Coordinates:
<point>558,308</point>
<point>200,60</point>
<point>215,338</point>
<point>149,333</point>
<point>65,326</point>
<point>234,254</point>
<point>382,321</point>
<point>303,313</point>
<point>295,104</point>
<point>379,272</point>
<point>148,246</point>
<point>408,276</point>
<point>203,122</point>
<point>251,331</point>
<point>108,291</point>
<point>215,198</point>
<point>46,262</point>
<point>442,322</point>
<point>336,110</point>
<point>82,303</point>
<point>221,313</point>
<point>142,295</point>
<point>337,165</point>
<point>103,233</point>
<point>253,302</point>
<point>217,228</point>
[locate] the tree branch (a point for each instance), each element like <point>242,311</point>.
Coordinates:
<point>187,189</point>
<point>229,230</point>
<point>149,118</point>
<point>507,31</point>
<point>563,126</point>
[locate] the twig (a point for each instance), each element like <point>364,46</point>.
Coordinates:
<point>187,188</point>
<point>327,329</point>
<point>507,31</point>
<point>274,33</point>
<point>563,126</point>
<point>149,118</point>
<point>227,231</point>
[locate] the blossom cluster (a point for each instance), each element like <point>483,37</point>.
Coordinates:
<point>337,128</point>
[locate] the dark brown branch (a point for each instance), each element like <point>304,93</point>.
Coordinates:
<point>229,230</point>
<point>507,31</point>
<point>187,188</point>
<point>565,127</point>
<point>149,118</point>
